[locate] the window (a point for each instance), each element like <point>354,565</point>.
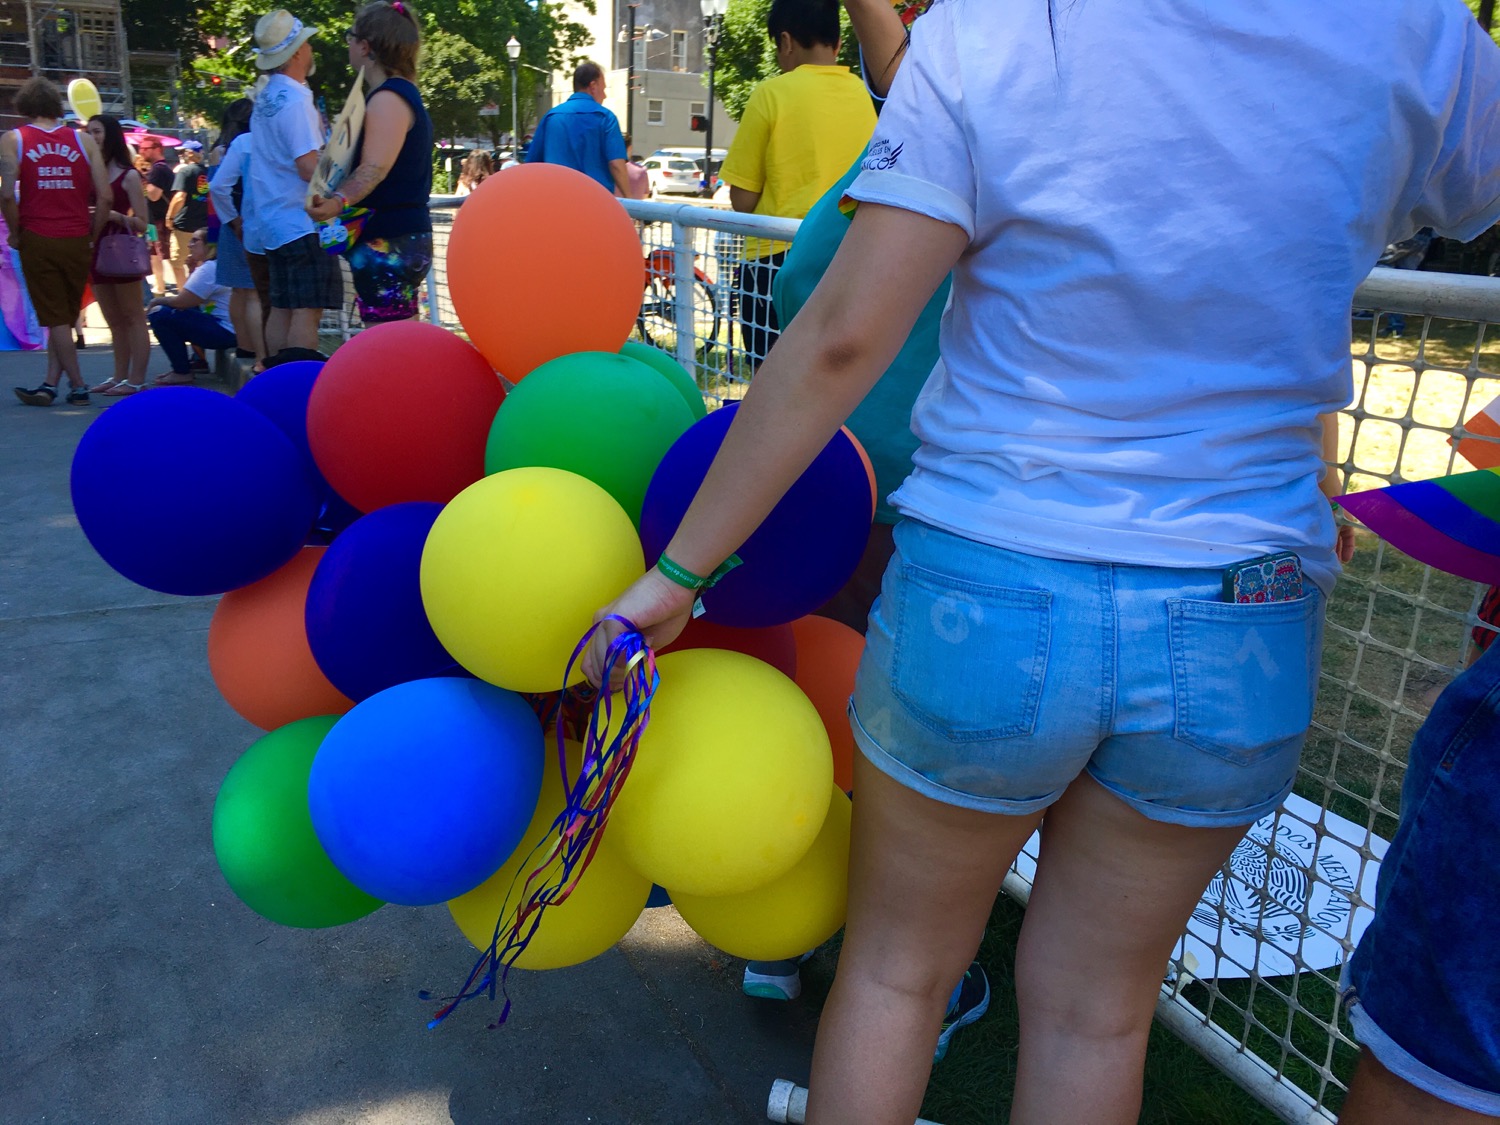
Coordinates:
<point>656,111</point>
<point>639,48</point>
<point>697,109</point>
<point>679,50</point>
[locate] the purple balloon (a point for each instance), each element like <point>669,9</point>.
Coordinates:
<point>802,554</point>
<point>281,394</point>
<point>365,621</point>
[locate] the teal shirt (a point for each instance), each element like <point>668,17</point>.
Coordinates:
<point>882,422</point>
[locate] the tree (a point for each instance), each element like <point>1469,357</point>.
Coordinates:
<point>747,56</point>
<point>459,80</point>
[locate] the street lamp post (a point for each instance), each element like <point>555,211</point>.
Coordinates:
<point>630,75</point>
<point>513,49</point>
<point>713,23</point>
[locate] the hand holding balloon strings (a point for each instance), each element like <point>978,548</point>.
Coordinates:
<point>569,847</point>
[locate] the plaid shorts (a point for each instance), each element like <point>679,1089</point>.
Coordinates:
<point>305,276</point>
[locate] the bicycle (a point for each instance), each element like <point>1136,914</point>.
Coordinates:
<point>657,320</point>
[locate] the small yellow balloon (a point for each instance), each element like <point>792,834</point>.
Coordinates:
<point>732,779</point>
<point>84,97</point>
<point>515,567</point>
<point>604,905</point>
<point>790,915</point>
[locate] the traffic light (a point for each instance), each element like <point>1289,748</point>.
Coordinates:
<point>699,123</point>
<point>216,79</point>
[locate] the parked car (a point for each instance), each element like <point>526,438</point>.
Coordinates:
<point>672,175</point>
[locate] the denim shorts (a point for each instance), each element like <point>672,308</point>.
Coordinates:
<point>1423,988</point>
<point>990,679</point>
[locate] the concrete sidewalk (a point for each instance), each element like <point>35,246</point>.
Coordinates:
<point>138,989</point>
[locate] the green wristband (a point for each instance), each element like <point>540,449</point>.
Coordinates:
<point>685,578</point>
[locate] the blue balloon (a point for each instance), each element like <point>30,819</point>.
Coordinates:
<point>188,492</point>
<point>797,559</point>
<point>365,620</point>
<point>281,394</point>
<point>422,791</point>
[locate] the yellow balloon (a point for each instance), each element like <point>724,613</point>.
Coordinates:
<point>84,97</point>
<point>732,780</point>
<point>604,905</point>
<point>515,567</point>
<point>790,915</point>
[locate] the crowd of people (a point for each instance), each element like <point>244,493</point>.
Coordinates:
<point>228,249</point>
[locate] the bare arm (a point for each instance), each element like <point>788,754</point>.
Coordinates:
<point>182,299</point>
<point>388,118</point>
<point>825,362</point>
<point>174,208</point>
<point>742,199</point>
<point>103,196</point>
<point>136,220</point>
<point>9,158</point>
<point>882,40</point>
<point>621,178</point>
<point>154,193</point>
<point>307,164</point>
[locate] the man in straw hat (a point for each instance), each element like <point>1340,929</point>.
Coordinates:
<point>305,279</point>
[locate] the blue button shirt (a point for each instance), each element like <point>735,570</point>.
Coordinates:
<point>580,133</point>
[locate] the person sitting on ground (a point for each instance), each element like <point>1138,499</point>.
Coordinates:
<point>198,314</point>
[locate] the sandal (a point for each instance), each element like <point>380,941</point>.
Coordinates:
<point>104,387</point>
<point>122,389</point>
<point>174,379</point>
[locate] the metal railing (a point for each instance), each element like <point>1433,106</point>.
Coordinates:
<point>1253,985</point>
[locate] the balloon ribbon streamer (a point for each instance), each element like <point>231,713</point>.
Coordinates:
<point>564,854</point>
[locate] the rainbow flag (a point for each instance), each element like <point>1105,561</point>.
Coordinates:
<point>1451,523</point>
<point>1480,445</point>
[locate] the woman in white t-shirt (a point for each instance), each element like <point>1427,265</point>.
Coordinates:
<point>198,314</point>
<point>1155,216</point>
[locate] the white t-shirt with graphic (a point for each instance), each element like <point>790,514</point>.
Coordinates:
<point>203,283</point>
<point>285,125</point>
<point>1169,208</point>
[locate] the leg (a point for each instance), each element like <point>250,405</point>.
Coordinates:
<point>244,311</point>
<point>179,242</point>
<point>278,331</point>
<point>922,878</point>
<point>302,329</point>
<point>171,334</point>
<point>112,299</point>
<point>1113,892</point>
<point>1378,1097</point>
<point>62,349</point>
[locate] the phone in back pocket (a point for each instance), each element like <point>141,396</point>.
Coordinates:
<point>1269,578</point>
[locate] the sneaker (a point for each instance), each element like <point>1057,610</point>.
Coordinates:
<point>772,980</point>
<point>973,1001</point>
<point>37,396</point>
<point>79,396</point>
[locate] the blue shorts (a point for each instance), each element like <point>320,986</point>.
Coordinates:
<point>1423,988</point>
<point>990,679</point>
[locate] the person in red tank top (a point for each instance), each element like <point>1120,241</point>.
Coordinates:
<point>59,173</point>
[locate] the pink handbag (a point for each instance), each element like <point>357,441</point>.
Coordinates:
<point>123,255</point>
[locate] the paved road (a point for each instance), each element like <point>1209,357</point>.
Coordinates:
<point>137,989</point>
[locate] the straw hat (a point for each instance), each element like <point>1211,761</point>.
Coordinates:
<point>277,37</point>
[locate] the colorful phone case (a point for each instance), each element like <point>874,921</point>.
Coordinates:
<point>1270,578</point>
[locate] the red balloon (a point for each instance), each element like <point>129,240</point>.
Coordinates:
<point>828,655</point>
<point>258,652</point>
<point>402,412</point>
<point>775,645</point>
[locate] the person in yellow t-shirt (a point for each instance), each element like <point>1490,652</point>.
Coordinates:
<point>800,132</point>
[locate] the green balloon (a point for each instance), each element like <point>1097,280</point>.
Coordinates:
<point>264,839</point>
<point>669,367</point>
<point>606,417</point>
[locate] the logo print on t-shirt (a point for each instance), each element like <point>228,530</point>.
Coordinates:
<point>882,156</point>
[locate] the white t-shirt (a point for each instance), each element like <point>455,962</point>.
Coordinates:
<point>1169,208</point>
<point>286,126</point>
<point>231,170</point>
<point>203,283</point>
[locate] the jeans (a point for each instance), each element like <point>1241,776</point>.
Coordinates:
<point>177,328</point>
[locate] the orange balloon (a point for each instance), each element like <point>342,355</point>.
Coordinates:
<point>869,469</point>
<point>828,655</point>
<point>542,262</point>
<point>258,651</point>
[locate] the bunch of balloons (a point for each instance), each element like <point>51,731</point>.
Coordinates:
<point>409,541</point>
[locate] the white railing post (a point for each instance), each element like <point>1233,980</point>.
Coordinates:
<point>686,312</point>
<point>432,296</point>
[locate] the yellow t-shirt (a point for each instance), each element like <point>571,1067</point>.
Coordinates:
<point>800,132</point>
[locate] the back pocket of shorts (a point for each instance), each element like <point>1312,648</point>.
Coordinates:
<point>1242,675</point>
<point>969,660</point>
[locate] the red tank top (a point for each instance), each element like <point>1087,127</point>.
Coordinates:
<point>56,185</point>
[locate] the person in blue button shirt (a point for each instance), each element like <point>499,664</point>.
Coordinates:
<point>581,134</point>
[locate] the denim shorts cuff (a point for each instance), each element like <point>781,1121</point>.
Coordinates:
<point>1194,818</point>
<point>1400,1062</point>
<point>911,779</point>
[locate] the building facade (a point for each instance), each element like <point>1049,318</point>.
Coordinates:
<point>82,40</point>
<point>670,71</point>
